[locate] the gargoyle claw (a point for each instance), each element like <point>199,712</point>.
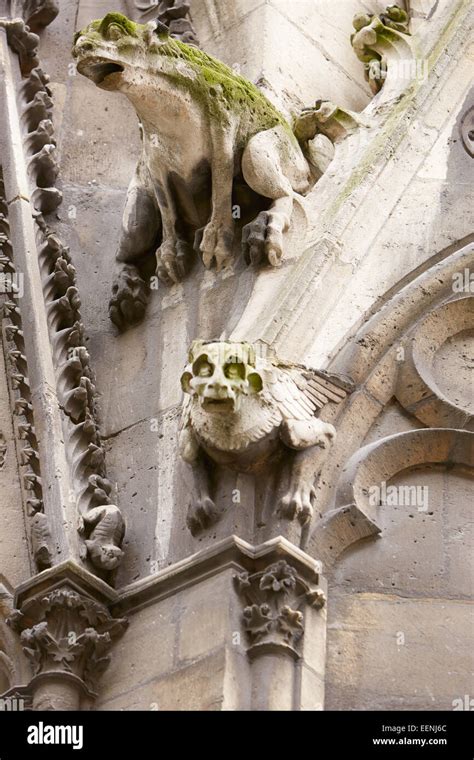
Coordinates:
<point>262,239</point>
<point>214,243</point>
<point>129,298</point>
<point>297,505</point>
<point>201,515</point>
<point>173,261</point>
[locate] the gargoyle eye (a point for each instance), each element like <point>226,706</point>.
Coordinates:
<point>255,382</point>
<point>234,371</point>
<point>202,367</point>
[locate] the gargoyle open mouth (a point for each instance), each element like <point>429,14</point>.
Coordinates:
<point>218,404</point>
<point>98,71</point>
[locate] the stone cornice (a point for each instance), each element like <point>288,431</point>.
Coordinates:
<point>232,552</point>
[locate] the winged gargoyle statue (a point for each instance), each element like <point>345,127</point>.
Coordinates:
<point>242,412</point>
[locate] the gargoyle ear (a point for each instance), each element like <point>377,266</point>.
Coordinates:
<point>195,350</point>
<point>255,381</point>
<point>251,355</point>
<point>186,378</point>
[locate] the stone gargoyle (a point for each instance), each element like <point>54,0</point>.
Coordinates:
<point>205,131</point>
<point>242,412</point>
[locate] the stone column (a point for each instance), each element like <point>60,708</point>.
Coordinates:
<point>279,602</point>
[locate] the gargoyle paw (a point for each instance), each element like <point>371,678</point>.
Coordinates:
<point>202,514</point>
<point>297,504</point>
<point>173,261</point>
<point>262,239</point>
<point>215,245</point>
<point>129,298</point>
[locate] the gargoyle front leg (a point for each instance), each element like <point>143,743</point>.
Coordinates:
<point>218,235</point>
<point>141,225</point>
<point>297,502</point>
<point>202,512</point>
<point>308,443</point>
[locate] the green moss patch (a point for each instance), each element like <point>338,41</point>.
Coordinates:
<point>100,26</point>
<point>215,81</point>
<point>129,27</point>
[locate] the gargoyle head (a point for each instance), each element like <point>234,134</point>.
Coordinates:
<point>220,374</point>
<point>113,50</point>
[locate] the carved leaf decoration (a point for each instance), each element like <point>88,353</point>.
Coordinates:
<point>280,577</point>
<point>257,619</point>
<point>63,651</point>
<point>290,623</point>
<point>33,639</point>
<point>316,598</point>
<point>242,581</point>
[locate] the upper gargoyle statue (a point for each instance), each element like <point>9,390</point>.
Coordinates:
<point>243,411</point>
<point>204,130</point>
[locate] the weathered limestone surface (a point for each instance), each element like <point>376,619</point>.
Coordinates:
<point>372,288</point>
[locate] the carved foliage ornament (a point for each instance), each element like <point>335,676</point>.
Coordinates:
<point>274,616</point>
<point>23,42</point>
<point>67,632</point>
<point>36,13</point>
<point>374,36</point>
<point>100,522</point>
<point>24,422</point>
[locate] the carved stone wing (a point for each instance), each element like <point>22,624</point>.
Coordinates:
<point>299,392</point>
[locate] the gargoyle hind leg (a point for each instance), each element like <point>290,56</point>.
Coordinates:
<point>141,225</point>
<point>274,167</point>
<point>215,240</point>
<point>174,254</point>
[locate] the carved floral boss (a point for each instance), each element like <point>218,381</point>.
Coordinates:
<point>242,412</point>
<point>205,131</point>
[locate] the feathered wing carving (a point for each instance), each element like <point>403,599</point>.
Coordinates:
<point>300,392</point>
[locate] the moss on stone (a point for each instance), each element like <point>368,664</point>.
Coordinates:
<point>214,84</point>
<point>219,87</point>
<point>129,27</point>
<point>101,25</point>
